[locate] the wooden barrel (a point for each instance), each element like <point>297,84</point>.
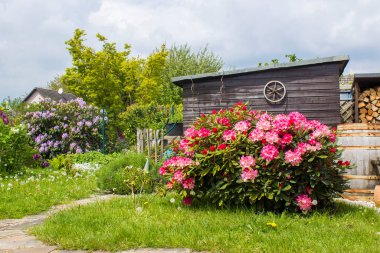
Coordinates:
<point>361,146</point>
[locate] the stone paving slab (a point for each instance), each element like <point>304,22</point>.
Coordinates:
<point>45,249</point>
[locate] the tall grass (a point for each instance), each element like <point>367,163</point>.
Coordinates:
<point>34,191</point>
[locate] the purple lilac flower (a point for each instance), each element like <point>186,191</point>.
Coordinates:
<point>80,123</point>
<point>36,156</point>
<point>88,123</point>
<point>65,135</point>
<point>81,102</point>
<point>96,119</point>
<point>72,145</point>
<point>56,128</point>
<point>45,164</point>
<point>4,117</point>
<point>78,150</point>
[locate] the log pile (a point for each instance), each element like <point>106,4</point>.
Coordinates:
<point>369,105</point>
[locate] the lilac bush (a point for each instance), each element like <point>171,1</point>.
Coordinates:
<point>65,127</point>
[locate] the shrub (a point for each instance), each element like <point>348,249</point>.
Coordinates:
<point>251,158</point>
<point>61,128</point>
<point>62,162</point>
<point>15,151</point>
<point>125,174</point>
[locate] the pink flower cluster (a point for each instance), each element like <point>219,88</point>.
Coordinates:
<point>242,126</point>
<point>247,163</point>
<point>249,174</point>
<point>269,152</point>
<point>177,166</point>
<point>204,132</point>
<point>189,183</point>
<point>257,135</point>
<point>229,135</point>
<point>223,121</point>
<point>185,146</point>
<point>272,137</point>
<point>293,157</point>
<point>304,202</point>
<point>191,133</point>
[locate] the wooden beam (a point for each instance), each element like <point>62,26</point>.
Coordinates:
<point>371,177</point>
<point>356,96</point>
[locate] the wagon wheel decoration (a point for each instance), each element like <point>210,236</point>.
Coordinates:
<point>274,91</point>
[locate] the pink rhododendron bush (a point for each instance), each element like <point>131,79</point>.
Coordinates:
<point>237,157</point>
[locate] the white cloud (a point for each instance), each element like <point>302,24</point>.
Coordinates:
<point>243,32</point>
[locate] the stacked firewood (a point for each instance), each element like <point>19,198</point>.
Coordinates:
<point>369,105</point>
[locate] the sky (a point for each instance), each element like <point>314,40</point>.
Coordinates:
<point>242,32</point>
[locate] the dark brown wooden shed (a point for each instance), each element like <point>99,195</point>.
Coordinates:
<point>312,88</point>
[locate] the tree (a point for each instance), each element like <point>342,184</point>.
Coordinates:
<point>57,84</point>
<point>183,61</point>
<point>111,79</point>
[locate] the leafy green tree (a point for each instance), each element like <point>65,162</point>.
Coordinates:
<point>183,61</point>
<point>110,78</point>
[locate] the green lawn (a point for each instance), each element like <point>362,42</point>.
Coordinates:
<point>118,225</point>
<point>34,191</point>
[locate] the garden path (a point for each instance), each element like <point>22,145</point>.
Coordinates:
<point>15,239</point>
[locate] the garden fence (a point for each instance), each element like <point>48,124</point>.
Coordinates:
<point>151,143</point>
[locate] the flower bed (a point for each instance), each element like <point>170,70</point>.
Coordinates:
<point>240,157</point>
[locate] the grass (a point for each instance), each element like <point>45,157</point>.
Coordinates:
<point>119,225</point>
<point>34,191</point>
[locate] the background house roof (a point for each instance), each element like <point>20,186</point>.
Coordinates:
<point>52,94</point>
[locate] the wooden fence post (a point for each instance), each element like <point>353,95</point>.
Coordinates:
<point>148,141</point>
<point>152,142</point>
<point>138,140</point>
<point>155,145</point>
<point>162,144</point>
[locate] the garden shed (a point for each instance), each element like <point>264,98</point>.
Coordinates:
<point>309,86</point>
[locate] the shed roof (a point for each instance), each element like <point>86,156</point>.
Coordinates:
<point>367,80</point>
<point>342,59</point>
<point>52,94</point>
<point>367,76</point>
